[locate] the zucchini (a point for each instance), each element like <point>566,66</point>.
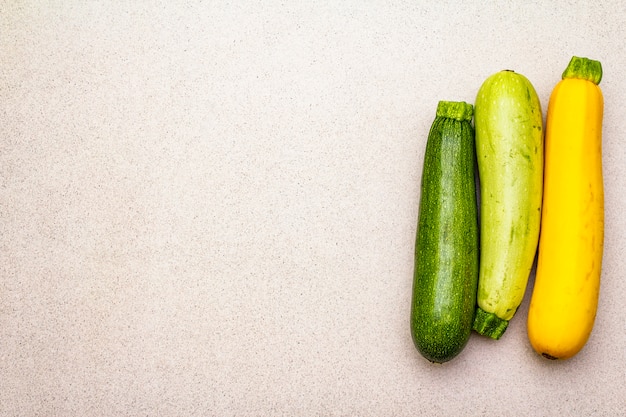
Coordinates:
<point>564,300</point>
<point>446,247</point>
<point>509,149</point>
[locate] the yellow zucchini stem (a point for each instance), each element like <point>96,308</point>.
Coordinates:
<point>584,69</point>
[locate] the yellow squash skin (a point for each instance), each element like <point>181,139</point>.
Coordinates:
<point>565,295</point>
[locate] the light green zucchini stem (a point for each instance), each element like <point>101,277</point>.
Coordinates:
<point>488,324</point>
<point>457,110</point>
<point>584,68</point>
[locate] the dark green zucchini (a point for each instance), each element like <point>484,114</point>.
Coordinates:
<point>447,245</point>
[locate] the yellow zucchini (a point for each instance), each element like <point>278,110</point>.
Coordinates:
<point>565,295</point>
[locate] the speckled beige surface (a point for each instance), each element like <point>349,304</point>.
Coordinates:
<point>209,209</point>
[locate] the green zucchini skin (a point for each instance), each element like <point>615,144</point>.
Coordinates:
<point>447,245</point>
<point>509,148</point>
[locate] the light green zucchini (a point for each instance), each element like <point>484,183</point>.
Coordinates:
<point>509,148</point>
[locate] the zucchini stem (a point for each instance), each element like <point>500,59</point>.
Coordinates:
<point>488,324</point>
<point>456,110</point>
<point>584,68</point>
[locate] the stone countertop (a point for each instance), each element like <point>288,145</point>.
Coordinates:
<point>210,209</point>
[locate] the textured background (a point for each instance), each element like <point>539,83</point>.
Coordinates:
<point>209,208</point>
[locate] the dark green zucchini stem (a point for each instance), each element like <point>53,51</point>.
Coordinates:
<point>456,110</point>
